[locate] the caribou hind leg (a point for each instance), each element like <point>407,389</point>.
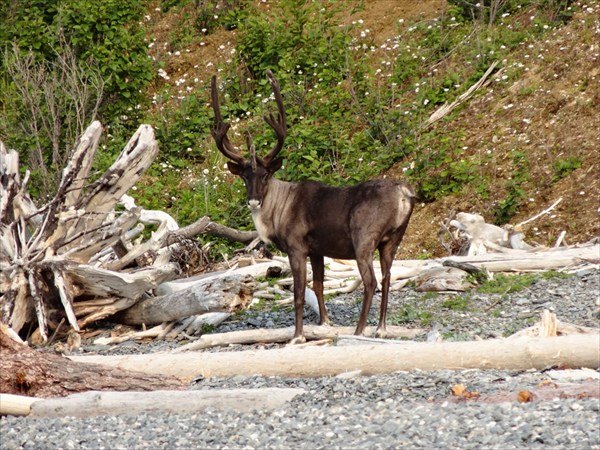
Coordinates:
<point>387,250</point>
<point>364,260</point>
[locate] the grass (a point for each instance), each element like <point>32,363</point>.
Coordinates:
<point>207,328</point>
<point>408,314</point>
<point>456,336</point>
<point>506,284</point>
<point>496,313</point>
<point>553,274</point>
<point>460,303</point>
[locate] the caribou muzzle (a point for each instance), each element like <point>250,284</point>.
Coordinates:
<point>254,205</point>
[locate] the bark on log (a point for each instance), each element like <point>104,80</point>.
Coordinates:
<point>442,279</point>
<point>227,293</point>
<point>512,354</point>
<point>24,371</point>
<point>311,332</point>
<point>104,283</point>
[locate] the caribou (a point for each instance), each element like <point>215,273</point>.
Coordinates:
<point>311,220</point>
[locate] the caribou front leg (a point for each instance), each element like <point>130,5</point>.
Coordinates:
<point>298,265</point>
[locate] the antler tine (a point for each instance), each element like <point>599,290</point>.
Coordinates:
<point>278,124</point>
<point>219,132</point>
<point>252,150</point>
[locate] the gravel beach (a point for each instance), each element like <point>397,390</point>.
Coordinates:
<point>401,410</point>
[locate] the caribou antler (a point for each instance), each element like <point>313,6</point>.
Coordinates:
<point>219,132</point>
<point>277,123</point>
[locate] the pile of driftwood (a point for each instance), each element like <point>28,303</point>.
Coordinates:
<point>82,256</point>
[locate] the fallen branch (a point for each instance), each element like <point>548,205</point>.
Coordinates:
<point>446,108</point>
<point>207,226</point>
<point>150,333</point>
<point>546,211</point>
<point>311,332</point>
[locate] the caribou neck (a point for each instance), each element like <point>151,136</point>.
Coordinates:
<point>275,207</point>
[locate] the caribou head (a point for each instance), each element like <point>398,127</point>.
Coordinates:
<point>256,171</point>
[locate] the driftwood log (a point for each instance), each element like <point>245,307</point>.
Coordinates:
<point>522,260</point>
<point>97,403</point>
<point>24,371</point>
<point>483,237</point>
<point>228,293</point>
<point>44,252</point>
<point>342,276</point>
<point>549,325</point>
<point>513,354</point>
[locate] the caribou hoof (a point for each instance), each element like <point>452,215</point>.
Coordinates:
<point>381,333</point>
<point>298,340</point>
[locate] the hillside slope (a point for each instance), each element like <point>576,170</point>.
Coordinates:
<point>551,114</point>
<point>532,132</point>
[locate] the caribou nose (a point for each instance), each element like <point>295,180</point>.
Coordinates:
<point>254,204</point>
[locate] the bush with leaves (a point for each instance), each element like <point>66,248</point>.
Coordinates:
<point>64,62</point>
<point>47,105</point>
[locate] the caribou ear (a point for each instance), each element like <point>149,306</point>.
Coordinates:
<point>234,168</point>
<point>275,165</point>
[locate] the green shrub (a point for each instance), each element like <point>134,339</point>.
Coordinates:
<point>515,191</point>
<point>564,167</point>
<point>109,34</point>
<point>111,63</point>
